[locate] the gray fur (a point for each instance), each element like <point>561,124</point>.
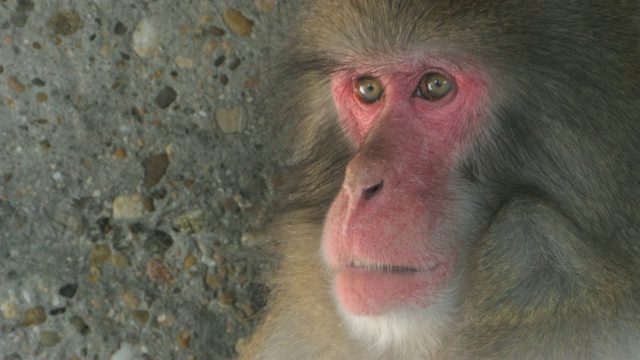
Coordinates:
<point>547,196</point>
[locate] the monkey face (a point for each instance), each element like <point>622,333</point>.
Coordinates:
<point>384,236</point>
<point>467,172</point>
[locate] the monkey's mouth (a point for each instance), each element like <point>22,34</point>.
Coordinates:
<point>391,269</point>
<point>371,288</point>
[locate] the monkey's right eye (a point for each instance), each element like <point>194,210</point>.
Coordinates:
<point>369,89</point>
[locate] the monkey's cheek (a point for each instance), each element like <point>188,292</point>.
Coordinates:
<point>364,292</point>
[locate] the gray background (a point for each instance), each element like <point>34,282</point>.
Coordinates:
<point>134,180</point>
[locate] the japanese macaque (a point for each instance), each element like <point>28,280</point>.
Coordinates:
<point>464,182</point>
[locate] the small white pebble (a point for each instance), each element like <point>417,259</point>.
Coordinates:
<point>126,352</point>
<point>184,62</point>
<point>146,40</point>
<point>128,207</point>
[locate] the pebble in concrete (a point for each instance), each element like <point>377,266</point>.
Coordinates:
<point>237,22</point>
<point>146,40</point>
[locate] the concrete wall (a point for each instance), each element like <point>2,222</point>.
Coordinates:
<point>133,177</point>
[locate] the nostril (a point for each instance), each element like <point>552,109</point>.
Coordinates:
<point>372,191</point>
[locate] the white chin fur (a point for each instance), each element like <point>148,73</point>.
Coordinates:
<point>405,333</point>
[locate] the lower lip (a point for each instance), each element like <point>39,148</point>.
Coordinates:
<point>372,292</point>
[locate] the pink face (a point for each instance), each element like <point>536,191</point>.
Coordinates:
<point>383,236</point>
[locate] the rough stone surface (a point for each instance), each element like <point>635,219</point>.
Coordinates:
<point>130,214</point>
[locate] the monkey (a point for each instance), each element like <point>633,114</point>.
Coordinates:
<point>463,182</point>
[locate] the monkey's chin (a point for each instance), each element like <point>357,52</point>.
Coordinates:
<point>364,291</point>
<point>408,332</point>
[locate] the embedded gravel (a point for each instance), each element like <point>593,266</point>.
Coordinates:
<point>133,177</point>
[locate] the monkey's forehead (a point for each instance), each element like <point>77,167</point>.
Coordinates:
<point>401,24</point>
<point>516,30</point>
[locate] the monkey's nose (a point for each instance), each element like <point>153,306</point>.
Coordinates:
<point>365,176</point>
<point>371,191</point>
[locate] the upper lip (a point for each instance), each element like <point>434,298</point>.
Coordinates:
<point>394,269</point>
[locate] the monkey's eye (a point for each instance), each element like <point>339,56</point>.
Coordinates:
<point>369,89</point>
<point>434,86</point>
